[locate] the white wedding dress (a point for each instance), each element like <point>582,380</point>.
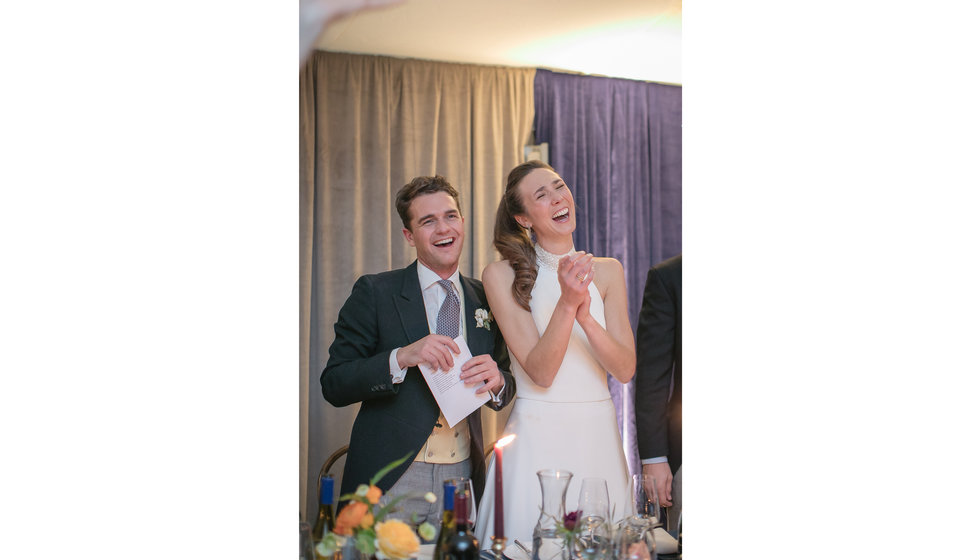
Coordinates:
<point>569,426</point>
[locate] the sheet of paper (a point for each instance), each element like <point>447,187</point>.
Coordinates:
<point>454,398</point>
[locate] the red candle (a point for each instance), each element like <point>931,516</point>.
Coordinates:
<point>498,504</point>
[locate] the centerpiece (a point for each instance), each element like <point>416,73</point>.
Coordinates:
<point>362,531</point>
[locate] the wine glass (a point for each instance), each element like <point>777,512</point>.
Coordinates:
<point>636,536</point>
<point>593,503</point>
<point>593,498</point>
<point>465,484</point>
<point>635,540</point>
<point>646,503</point>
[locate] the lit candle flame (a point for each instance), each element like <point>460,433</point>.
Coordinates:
<point>504,440</point>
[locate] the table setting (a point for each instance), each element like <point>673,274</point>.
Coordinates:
<point>363,531</point>
<point>588,533</point>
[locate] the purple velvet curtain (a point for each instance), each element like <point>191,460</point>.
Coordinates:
<point>617,143</point>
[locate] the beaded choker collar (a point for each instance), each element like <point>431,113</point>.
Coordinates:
<point>550,260</point>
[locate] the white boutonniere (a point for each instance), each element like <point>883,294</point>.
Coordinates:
<point>483,318</point>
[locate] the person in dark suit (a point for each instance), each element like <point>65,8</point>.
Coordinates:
<point>396,320</point>
<point>658,381</point>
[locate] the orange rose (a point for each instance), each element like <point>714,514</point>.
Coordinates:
<point>350,517</point>
<point>367,521</point>
<point>373,494</point>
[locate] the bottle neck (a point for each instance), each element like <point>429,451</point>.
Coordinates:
<point>326,491</point>
<point>461,506</point>
<point>448,493</point>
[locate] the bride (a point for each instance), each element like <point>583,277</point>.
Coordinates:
<point>563,315</point>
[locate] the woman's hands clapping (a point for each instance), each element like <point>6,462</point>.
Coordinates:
<point>575,273</point>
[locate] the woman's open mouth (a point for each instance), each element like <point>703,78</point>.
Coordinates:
<point>561,216</point>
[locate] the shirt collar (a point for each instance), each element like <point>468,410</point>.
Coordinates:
<point>427,278</point>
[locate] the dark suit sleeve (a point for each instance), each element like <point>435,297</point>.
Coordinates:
<point>654,364</point>
<point>357,369</point>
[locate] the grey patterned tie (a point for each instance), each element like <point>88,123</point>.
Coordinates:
<point>447,322</point>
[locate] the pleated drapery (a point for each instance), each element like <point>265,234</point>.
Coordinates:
<point>617,144</point>
<point>368,125</point>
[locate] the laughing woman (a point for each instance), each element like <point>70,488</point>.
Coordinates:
<point>563,315</point>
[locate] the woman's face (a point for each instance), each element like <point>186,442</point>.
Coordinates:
<point>548,204</point>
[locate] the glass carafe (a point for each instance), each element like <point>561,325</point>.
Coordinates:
<point>546,539</point>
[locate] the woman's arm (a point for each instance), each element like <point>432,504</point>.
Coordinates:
<point>540,356</point>
<point>613,345</point>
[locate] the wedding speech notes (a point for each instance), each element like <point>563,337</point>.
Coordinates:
<point>454,398</point>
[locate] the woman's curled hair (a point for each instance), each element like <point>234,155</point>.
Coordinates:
<point>511,240</point>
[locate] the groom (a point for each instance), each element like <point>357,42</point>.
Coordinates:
<point>396,320</point>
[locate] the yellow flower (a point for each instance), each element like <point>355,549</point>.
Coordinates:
<point>373,494</point>
<point>367,521</point>
<point>396,540</point>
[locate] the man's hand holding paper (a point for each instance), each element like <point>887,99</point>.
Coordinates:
<point>459,392</point>
<point>482,372</point>
<point>434,350</point>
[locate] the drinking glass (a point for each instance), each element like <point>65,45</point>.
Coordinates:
<point>635,540</point>
<point>306,541</point>
<point>593,498</point>
<point>593,523</point>
<point>464,484</point>
<point>646,503</point>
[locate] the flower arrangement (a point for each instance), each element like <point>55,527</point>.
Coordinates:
<point>362,521</point>
<point>585,538</point>
<point>568,530</point>
<point>483,318</point>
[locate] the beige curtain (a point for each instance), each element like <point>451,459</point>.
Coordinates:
<point>368,125</point>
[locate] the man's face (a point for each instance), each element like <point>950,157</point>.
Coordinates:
<point>436,232</point>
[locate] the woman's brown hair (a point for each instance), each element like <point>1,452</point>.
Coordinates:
<point>512,241</point>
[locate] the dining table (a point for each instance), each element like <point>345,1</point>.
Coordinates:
<point>666,549</point>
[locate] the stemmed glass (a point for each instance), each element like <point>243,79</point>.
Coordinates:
<point>636,538</point>
<point>464,484</point>
<point>646,503</point>
<point>593,503</point>
<point>593,498</point>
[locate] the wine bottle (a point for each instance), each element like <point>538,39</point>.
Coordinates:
<point>462,545</point>
<point>448,520</point>
<point>324,518</point>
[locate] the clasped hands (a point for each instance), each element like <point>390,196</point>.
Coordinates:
<point>436,351</point>
<point>575,273</point>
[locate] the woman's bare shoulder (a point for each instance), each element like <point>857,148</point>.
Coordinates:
<point>608,272</point>
<point>499,271</point>
<point>607,266</point>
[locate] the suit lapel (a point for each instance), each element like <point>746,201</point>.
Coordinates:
<point>411,307</point>
<point>477,338</point>
<point>411,311</point>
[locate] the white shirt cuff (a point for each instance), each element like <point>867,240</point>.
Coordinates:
<point>654,461</point>
<point>497,398</point>
<point>397,373</point>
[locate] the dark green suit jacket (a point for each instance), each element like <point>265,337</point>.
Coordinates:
<point>386,311</point>
<point>658,365</point>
